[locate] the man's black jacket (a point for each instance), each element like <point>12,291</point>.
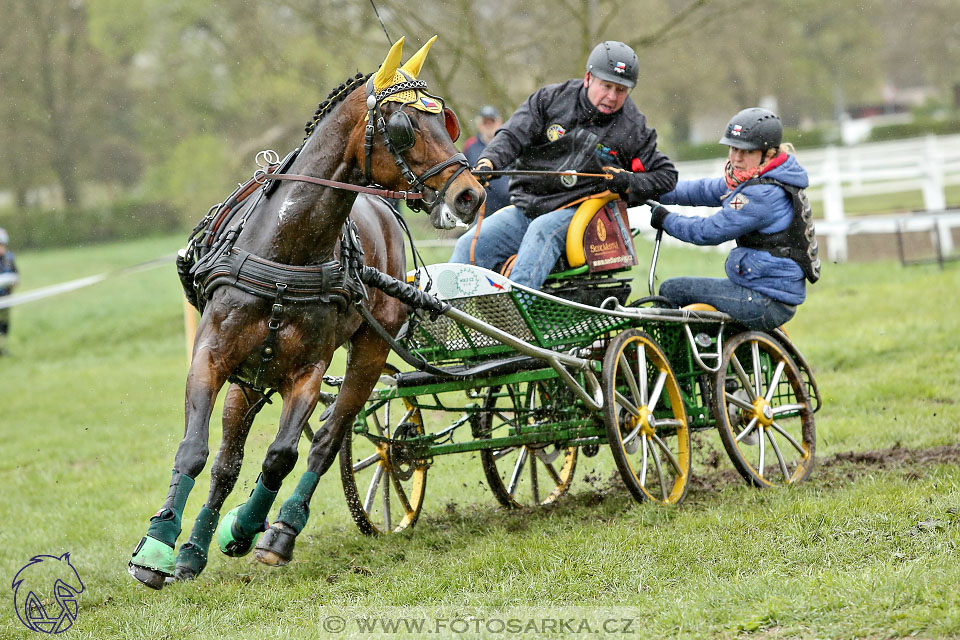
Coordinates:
<point>558,129</point>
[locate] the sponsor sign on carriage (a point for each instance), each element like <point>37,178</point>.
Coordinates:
<point>607,243</point>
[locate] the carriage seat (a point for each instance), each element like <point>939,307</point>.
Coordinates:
<point>598,239</point>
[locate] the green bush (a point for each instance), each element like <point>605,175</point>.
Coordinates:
<point>123,220</point>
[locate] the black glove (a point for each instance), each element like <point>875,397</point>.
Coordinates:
<point>620,182</point>
<point>482,167</point>
<point>658,214</point>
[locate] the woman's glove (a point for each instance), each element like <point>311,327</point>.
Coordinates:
<point>658,214</point>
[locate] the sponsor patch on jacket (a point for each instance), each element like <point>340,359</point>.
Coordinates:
<point>739,202</point>
<point>555,132</point>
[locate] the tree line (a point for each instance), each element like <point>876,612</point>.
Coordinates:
<point>170,99</point>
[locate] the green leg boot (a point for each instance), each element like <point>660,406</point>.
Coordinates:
<point>193,554</point>
<point>276,546</point>
<point>242,526</point>
<point>153,559</point>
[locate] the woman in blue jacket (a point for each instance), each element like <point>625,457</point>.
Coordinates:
<point>776,246</point>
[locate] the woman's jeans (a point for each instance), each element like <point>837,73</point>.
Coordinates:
<point>749,308</point>
<point>538,243</point>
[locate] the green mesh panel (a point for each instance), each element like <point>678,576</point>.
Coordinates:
<point>535,319</point>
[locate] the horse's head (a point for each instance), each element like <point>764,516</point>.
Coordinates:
<point>408,140</point>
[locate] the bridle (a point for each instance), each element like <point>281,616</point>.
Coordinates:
<point>399,137</point>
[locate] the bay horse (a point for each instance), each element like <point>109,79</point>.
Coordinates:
<point>382,129</point>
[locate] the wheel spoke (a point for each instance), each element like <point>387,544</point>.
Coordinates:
<point>760,468</point>
<point>783,432</point>
<point>746,430</point>
<point>517,468</point>
<point>550,470</point>
<point>775,380</point>
<point>376,421</point>
<point>387,521</point>
<point>788,408</point>
<point>502,452</point>
<point>366,462</point>
<point>630,436</point>
<point>737,400</point>
<point>657,389</point>
<point>643,460</point>
<point>372,489</point>
<point>642,372</point>
<point>627,374</point>
<point>534,484</point>
<point>744,378</point>
<point>656,463</point>
<point>629,406</point>
<point>776,450</point>
<point>669,454</point>
<point>755,355</point>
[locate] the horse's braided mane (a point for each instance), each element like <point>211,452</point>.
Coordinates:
<point>336,97</point>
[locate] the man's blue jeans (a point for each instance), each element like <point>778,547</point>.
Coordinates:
<point>538,243</point>
<point>751,309</point>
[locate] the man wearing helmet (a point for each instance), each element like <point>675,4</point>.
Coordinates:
<point>587,125</point>
<point>8,280</point>
<point>763,208</point>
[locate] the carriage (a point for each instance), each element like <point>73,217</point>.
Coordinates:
<point>534,379</point>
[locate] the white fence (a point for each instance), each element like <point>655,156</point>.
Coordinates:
<point>928,164</point>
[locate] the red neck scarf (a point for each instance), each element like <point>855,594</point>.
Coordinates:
<point>736,177</point>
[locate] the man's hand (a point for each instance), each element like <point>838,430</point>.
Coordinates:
<point>483,165</point>
<point>619,180</point>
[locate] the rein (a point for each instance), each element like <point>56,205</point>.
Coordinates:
<point>346,186</point>
<point>493,173</point>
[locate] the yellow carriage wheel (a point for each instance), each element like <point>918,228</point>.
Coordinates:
<point>528,474</point>
<point>763,411</point>
<point>383,484</point>
<point>645,419</point>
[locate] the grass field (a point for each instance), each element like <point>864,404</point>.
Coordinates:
<point>92,403</point>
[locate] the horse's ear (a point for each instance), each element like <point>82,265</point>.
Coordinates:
<point>388,69</point>
<point>452,123</point>
<point>415,63</point>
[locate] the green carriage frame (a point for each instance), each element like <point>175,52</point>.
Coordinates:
<point>546,376</point>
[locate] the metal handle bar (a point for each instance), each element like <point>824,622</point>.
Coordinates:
<point>656,248</point>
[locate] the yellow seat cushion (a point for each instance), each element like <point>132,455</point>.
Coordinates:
<point>578,225</point>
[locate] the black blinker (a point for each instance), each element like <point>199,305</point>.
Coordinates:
<point>400,131</point>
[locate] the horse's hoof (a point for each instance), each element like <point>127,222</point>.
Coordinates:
<point>276,546</point>
<point>228,543</point>
<point>151,562</point>
<point>190,561</point>
<point>147,577</point>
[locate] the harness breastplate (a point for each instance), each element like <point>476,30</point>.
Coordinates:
<point>798,241</point>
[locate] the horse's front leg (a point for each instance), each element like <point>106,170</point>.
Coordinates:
<point>153,559</point>
<point>240,408</point>
<point>241,527</point>
<point>364,365</point>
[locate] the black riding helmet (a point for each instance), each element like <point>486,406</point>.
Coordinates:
<point>753,129</point>
<point>614,62</point>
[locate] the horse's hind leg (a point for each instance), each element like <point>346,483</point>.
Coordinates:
<point>364,365</point>
<point>240,408</point>
<point>153,559</point>
<point>242,526</point>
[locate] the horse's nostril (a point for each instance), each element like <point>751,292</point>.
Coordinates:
<point>467,200</point>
